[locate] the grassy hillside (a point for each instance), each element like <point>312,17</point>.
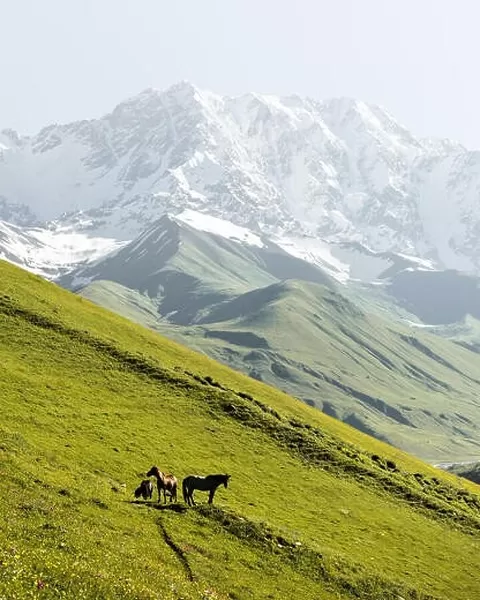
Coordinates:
<point>315,508</point>
<point>183,270</point>
<point>416,390</point>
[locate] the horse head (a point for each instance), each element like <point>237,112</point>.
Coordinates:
<point>227,477</point>
<point>154,471</point>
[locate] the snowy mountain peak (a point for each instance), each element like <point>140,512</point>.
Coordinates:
<point>9,139</point>
<point>355,121</point>
<point>340,170</point>
<point>182,95</point>
<point>184,89</point>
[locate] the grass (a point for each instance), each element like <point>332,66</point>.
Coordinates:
<point>315,508</point>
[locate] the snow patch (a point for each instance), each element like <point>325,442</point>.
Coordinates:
<point>225,229</point>
<point>51,253</point>
<point>316,252</point>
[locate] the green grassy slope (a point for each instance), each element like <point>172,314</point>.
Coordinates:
<point>383,377</point>
<point>182,270</point>
<point>419,382</point>
<point>315,509</point>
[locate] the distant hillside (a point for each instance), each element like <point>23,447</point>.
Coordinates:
<point>315,508</point>
<point>413,389</point>
<point>470,471</point>
<point>437,297</point>
<point>184,270</point>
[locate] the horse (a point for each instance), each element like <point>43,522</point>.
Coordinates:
<point>167,483</point>
<point>209,483</point>
<point>145,489</point>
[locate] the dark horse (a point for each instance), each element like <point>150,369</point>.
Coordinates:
<point>209,483</point>
<point>145,489</point>
<point>167,483</point>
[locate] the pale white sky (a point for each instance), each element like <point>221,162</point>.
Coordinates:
<point>63,60</point>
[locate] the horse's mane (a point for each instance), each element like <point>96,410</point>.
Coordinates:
<point>220,476</point>
<point>156,471</point>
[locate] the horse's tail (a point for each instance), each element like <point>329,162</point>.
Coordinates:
<point>185,490</point>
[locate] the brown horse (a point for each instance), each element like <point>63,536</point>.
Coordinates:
<point>167,483</point>
<point>209,483</point>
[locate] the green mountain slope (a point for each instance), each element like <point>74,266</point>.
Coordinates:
<point>182,270</point>
<point>315,508</point>
<point>415,390</point>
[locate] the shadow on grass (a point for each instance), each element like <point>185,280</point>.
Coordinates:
<point>173,506</point>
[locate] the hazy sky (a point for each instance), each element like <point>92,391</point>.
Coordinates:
<point>62,60</point>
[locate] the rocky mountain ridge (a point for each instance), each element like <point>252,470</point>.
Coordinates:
<point>339,170</point>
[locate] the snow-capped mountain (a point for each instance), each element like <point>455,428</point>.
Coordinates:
<point>339,171</point>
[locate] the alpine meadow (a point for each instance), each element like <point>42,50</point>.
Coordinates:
<point>314,508</point>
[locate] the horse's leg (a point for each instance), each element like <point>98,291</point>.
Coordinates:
<point>185,492</point>
<point>211,495</point>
